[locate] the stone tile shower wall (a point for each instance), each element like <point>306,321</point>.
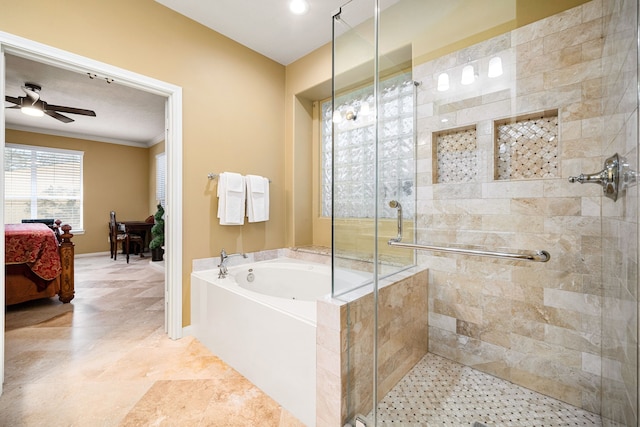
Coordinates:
<point>344,334</point>
<point>535,324</point>
<point>620,219</point>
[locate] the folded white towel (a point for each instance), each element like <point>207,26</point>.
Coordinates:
<point>231,198</point>
<point>257,198</point>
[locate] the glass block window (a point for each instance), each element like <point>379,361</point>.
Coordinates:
<point>456,155</point>
<point>527,147</point>
<point>355,151</point>
<point>41,182</point>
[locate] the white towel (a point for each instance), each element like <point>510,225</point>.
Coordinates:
<point>257,198</point>
<point>231,198</point>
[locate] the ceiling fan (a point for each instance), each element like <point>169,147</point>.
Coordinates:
<point>34,106</point>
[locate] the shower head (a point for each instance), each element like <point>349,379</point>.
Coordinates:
<point>351,115</point>
<point>395,204</point>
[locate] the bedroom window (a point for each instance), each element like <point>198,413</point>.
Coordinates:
<point>42,182</point>
<point>161,170</point>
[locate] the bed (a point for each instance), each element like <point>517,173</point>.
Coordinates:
<point>39,262</point>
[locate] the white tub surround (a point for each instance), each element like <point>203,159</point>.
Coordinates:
<point>271,340</point>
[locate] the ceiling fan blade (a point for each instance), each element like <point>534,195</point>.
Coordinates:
<point>71,110</point>
<point>12,99</point>
<point>15,107</point>
<point>57,116</point>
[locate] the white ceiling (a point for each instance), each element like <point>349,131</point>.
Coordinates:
<point>266,26</point>
<point>133,117</point>
<point>123,115</point>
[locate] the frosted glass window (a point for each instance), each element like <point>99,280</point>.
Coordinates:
<point>43,182</point>
<point>354,153</point>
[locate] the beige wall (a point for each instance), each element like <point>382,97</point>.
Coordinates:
<point>302,167</point>
<point>116,177</point>
<point>307,79</point>
<point>233,104</point>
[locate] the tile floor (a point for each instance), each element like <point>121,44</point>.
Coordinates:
<point>438,392</point>
<point>104,360</point>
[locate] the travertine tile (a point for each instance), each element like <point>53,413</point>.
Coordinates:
<point>560,63</point>
<point>105,360</point>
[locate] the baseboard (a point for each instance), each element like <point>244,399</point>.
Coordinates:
<point>92,254</point>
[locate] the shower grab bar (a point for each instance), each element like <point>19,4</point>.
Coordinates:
<point>537,256</point>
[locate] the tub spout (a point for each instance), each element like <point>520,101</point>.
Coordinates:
<point>223,263</point>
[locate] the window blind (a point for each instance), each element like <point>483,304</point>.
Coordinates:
<point>42,182</point>
<point>161,169</point>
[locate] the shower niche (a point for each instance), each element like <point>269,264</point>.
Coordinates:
<point>456,158</point>
<point>525,147</point>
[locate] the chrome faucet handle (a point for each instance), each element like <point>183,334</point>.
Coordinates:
<point>222,265</point>
<point>597,178</point>
<point>608,178</point>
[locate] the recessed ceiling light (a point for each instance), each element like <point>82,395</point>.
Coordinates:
<point>299,7</point>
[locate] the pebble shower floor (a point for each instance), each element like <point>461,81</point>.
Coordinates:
<point>438,392</point>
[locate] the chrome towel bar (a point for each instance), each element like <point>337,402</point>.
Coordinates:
<point>537,256</point>
<point>211,176</point>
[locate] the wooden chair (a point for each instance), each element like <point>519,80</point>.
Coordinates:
<point>123,237</point>
<point>134,239</point>
<point>115,236</point>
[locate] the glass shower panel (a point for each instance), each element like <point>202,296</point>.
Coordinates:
<point>349,151</point>
<point>371,149</point>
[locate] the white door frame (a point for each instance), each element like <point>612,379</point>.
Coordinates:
<point>173,146</point>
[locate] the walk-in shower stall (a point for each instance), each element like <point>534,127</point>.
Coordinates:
<point>483,154</point>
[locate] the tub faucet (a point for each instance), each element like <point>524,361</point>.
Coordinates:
<point>223,263</point>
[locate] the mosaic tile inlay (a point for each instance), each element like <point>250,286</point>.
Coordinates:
<point>527,148</point>
<point>440,392</point>
<point>457,155</point>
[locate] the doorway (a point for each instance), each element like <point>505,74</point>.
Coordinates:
<point>10,44</point>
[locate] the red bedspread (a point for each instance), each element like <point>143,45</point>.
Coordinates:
<point>35,245</point>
